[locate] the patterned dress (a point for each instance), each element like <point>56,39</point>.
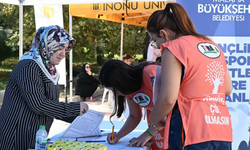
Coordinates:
<point>31,99</point>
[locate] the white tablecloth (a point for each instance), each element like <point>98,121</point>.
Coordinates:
<point>122,144</point>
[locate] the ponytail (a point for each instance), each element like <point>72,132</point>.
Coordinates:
<point>175,18</point>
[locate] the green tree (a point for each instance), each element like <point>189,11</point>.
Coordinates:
<point>4,49</point>
<point>9,21</point>
<point>6,25</point>
<point>105,36</point>
<point>94,37</point>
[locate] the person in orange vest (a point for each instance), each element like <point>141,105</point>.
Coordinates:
<point>194,83</point>
<point>133,84</point>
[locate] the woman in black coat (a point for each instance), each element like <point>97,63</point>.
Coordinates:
<point>86,83</point>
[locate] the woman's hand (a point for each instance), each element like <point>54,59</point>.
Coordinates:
<point>114,141</point>
<point>83,108</point>
<point>89,72</point>
<point>140,141</point>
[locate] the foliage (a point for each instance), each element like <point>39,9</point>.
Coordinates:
<point>10,63</point>
<point>97,40</point>
<point>9,20</point>
<point>4,49</point>
<point>107,37</point>
<point>90,34</point>
<point>3,79</point>
<point>6,68</point>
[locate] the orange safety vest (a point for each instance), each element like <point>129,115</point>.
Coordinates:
<point>201,96</point>
<point>144,98</point>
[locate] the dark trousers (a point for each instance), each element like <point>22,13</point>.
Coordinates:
<point>175,136</point>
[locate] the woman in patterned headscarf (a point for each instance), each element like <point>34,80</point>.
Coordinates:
<point>32,93</point>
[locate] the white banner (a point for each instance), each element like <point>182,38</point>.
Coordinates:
<point>236,50</point>
<point>46,15</point>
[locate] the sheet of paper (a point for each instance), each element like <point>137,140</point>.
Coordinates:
<point>85,125</point>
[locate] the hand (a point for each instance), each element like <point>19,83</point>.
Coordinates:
<point>83,108</point>
<point>114,141</point>
<point>89,72</point>
<point>140,141</point>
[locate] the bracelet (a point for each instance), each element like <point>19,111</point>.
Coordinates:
<point>149,133</point>
<point>155,127</point>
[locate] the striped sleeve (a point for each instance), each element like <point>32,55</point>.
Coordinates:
<point>30,81</point>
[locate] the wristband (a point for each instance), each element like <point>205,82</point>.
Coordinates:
<point>155,127</point>
<point>149,133</point>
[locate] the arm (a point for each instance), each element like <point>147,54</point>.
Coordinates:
<point>228,84</point>
<point>93,80</point>
<point>145,137</point>
<point>170,83</point>
<point>82,81</point>
<point>32,90</point>
<point>96,80</point>
<point>134,118</point>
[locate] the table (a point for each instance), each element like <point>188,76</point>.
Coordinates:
<point>106,127</point>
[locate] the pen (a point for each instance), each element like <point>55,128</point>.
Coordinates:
<point>104,134</point>
<point>96,141</point>
<point>112,136</point>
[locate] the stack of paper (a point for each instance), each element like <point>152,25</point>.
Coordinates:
<point>85,126</point>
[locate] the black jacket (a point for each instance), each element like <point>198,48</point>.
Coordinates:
<point>86,84</point>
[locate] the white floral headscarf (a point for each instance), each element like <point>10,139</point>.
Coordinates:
<point>45,43</point>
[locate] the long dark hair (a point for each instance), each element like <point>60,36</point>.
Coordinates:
<point>175,18</point>
<point>122,77</point>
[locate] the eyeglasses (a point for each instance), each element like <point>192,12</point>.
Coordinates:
<point>87,67</point>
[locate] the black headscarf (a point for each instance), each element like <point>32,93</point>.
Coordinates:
<point>86,84</point>
<point>84,77</point>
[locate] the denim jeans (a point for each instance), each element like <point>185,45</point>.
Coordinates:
<point>175,137</point>
<point>210,145</point>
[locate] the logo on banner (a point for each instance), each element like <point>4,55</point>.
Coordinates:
<point>209,50</point>
<point>119,6</point>
<point>142,99</point>
<point>95,7</point>
<point>219,17</point>
<point>48,11</point>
